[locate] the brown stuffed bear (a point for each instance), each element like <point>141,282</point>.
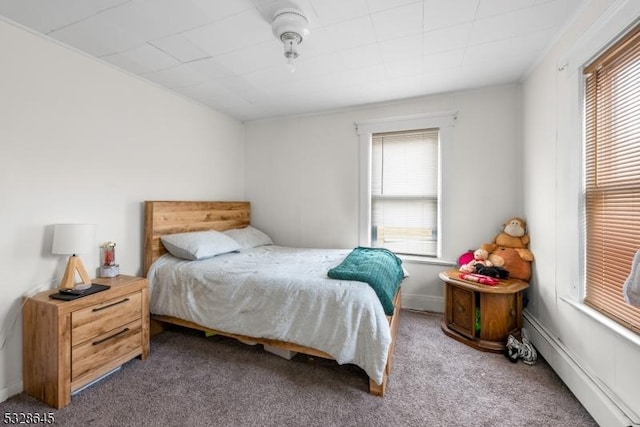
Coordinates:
<point>514,235</point>
<point>510,260</point>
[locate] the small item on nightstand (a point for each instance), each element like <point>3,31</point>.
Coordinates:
<point>72,291</point>
<point>109,268</point>
<point>479,278</point>
<point>71,294</point>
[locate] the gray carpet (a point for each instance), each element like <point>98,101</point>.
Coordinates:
<point>190,380</point>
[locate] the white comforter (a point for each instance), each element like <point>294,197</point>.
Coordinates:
<point>277,293</point>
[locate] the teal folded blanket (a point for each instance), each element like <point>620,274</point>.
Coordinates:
<point>378,267</point>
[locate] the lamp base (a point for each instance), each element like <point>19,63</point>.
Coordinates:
<point>68,280</point>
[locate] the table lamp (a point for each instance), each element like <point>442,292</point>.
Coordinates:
<point>73,239</point>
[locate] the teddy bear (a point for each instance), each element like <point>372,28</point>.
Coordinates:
<point>510,260</point>
<point>513,235</point>
<point>479,257</point>
<point>510,251</point>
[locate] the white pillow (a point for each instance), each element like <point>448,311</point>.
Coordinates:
<point>198,244</point>
<point>249,237</point>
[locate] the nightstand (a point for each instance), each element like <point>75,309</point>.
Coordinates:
<point>498,307</point>
<point>69,344</point>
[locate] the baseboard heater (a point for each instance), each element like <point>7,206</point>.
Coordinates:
<point>601,403</point>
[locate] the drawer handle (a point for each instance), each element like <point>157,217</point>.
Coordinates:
<point>110,305</point>
<point>111,337</point>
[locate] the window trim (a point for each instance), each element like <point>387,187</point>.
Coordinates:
<point>602,278</point>
<point>444,121</point>
<point>601,34</point>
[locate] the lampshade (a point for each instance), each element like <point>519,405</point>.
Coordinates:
<point>72,239</point>
<point>69,239</point>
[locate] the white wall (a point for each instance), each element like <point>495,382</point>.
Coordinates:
<point>302,177</point>
<point>598,361</point>
<point>83,142</point>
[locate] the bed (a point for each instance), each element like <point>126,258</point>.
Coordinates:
<point>162,218</point>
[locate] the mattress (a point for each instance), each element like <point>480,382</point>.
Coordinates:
<point>277,293</point>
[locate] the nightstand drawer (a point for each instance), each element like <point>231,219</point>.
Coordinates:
<point>461,314</point>
<point>101,318</point>
<point>105,348</point>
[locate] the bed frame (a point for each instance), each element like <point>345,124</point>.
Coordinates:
<point>166,217</point>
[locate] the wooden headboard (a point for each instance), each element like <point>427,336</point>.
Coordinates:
<point>167,217</point>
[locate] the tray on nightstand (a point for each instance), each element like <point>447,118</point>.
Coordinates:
<point>68,297</point>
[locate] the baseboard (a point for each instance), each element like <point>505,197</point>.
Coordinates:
<point>423,303</point>
<point>11,390</point>
<point>597,401</point>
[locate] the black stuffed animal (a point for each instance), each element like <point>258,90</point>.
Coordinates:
<point>493,271</point>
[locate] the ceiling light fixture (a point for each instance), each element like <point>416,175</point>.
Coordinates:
<point>291,27</point>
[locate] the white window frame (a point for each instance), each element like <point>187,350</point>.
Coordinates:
<point>604,32</point>
<point>443,121</point>
<point>621,16</point>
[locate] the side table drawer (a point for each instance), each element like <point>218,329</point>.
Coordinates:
<point>93,354</point>
<point>98,319</point>
<point>461,310</point>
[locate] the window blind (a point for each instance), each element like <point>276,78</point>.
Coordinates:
<point>404,191</point>
<point>612,177</point>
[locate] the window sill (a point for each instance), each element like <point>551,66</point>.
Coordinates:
<point>416,259</point>
<point>604,320</point>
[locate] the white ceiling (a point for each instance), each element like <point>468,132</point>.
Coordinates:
<point>223,53</point>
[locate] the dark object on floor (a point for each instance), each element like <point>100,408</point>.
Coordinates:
<point>520,350</point>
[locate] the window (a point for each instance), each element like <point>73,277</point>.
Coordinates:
<point>612,177</point>
<point>404,191</point>
<point>400,184</point>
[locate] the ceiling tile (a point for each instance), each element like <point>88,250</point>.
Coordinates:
<point>235,32</point>
<point>203,90</point>
<point>362,56</point>
<point>141,60</point>
<point>334,11</point>
<point>378,5</point>
<point>317,43</point>
<point>366,75</point>
<point>253,58</point>
<point>152,19</point>
<point>208,68</point>
<point>179,47</point>
<point>553,14</point>
<point>98,36</point>
<point>523,21</point>
<point>270,77</point>
<point>176,77</point>
<point>448,38</point>
<point>318,66</point>
<point>399,22</point>
<point>47,15</point>
<point>411,47</point>
<point>530,45</point>
<point>352,33</point>
<point>490,73</point>
<point>216,10</point>
<point>409,86</point>
<point>241,88</point>
<point>443,60</point>
<point>488,8</point>
<point>442,14</point>
<point>406,68</point>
